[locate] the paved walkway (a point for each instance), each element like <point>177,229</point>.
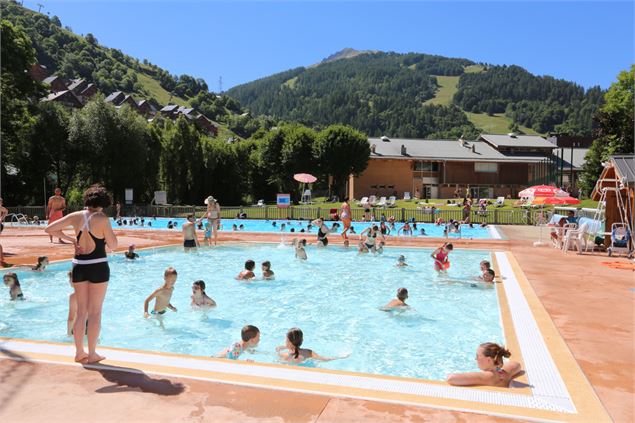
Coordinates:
<point>592,306</point>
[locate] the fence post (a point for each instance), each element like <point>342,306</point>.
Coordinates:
<point>403,214</point>
<point>319,212</point>
<point>495,216</point>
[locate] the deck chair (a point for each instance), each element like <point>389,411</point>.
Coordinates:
<point>306,197</point>
<point>392,200</point>
<point>576,238</point>
<point>382,202</point>
<point>620,238</point>
<point>363,202</point>
<point>261,203</point>
<point>372,200</point>
<point>500,202</point>
<point>406,196</point>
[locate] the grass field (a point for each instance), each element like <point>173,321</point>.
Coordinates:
<point>496,124</point>
<point>447,88</point>
<point>154,89</point>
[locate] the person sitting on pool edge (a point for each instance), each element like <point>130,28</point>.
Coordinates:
<point>267,273</point>
<point>494,372</point>
<point>399,302</point>
<point>295,354</point>
<point>300,252</point>
<point>11,281</point>
<point>163,295</point>
<point>248,273</point>
<point>130,254</point>
<point>199,297</point>
<point>250,336</point>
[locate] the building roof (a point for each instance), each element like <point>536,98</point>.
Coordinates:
<point>50,79</point>
<point>170,108</point>
<point>76,83</point>
<point>56,95</point>
<point>578,158</point>
<point>523,141</point>
<point>113,96</point>
<point>625,168</point>
<point>451,150</point>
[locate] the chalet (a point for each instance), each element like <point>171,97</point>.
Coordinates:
<point>66,97</point>
<point>88,92</point>
<point>170,111</point>
<point>56,83</point>
<point>130,101</point>
<point>491,166</point>
<point>146,107</point>
<point>115,98</point>
<point>77,85</point>
<point>39,72</point>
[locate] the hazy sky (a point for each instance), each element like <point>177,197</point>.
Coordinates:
<point>586,42</point>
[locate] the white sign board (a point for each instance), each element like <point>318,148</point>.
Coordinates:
<point>160,197</point>
<point>129,195</point>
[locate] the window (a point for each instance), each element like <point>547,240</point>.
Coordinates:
<point>486,167</point>
<point>427,166</point>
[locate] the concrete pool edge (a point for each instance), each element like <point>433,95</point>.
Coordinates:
<point>491,401</point>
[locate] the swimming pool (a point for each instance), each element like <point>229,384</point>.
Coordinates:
<point>257,225</point>
<point>334,297</point>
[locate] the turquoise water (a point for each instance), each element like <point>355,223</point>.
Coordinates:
<point>334,297</point>
<point>256,225</point>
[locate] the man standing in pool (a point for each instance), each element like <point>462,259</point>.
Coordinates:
<point>56,206</point>
<point>213,215</point>
<point>190,240</point>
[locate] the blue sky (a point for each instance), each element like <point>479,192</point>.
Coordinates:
<point>586,42</point>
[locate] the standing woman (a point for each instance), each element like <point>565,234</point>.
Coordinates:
<point>345,217</point>
<point>213,215</point>
<point>90,266</point>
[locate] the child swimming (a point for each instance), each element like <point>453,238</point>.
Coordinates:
<point>401,261</point>
<point>163,295</point>
<point>42,262</point>
<point>294,353</point>
<point>267,273</point>
<point>130,254</point>
<point>399,302</point>
<point>12,282</point>
<point>248,273</point>
<point>199,297</point>
<point>250,336</point>
<point>440,256</point>
<point>484,265</point>
<point>300,252</point>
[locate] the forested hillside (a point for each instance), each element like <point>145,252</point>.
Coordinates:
<point>419,95</point>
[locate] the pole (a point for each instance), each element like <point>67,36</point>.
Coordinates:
<point>561,166</point>
<point>44,186</point>
<point>571,163</point>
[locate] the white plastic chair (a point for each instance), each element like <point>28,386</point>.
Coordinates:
<point>382,202</point>
<point>500,202</point>
<point>577,235</point>
<point>261,203</point>
<point>363,202</point>
<point>406,196</point>
<point>306,197</point>
<point>372,200</point>
<point>392,201</point>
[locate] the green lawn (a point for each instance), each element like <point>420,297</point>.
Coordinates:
<point>154,89</point>
<point>496,124</point>
<point>474,69</point>
<point>447,88</point>
<point>291,82</point>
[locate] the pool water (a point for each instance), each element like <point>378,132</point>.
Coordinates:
<point>334,297</point>
<point>258,225</point>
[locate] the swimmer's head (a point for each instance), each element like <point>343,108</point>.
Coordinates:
<point>346,243</point>
<point>10,279</point>
<point>42,261</point>
<point>402,294</point>
<point>170,275</point>
<point>250,334</point>
<point>401,259</point>
<point>292,230</point>
<point>489,275</point>
<point>295,337</point>
<point>485,265</point>
<point>490,354</point>
<point>250,265</point>
<point>131,247</point>
<point>449,247</point>
<point>266,265</point>
<point>303,242</point>
<point>198,285</point>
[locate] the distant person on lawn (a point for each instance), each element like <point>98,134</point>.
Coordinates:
<point>56,207</point>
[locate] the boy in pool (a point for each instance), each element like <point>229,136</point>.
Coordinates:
<point>401,261</point>
<point>130,254</point>
<point>199,297</point>
<point>399,302</point>
<point>248,273</point>
<point>267,273</point>
<point>207,238</point>
<point>250,336</point>
<point>489,275</point>
<point>300,252</point>
<point>11,281</point>
<point>163,295</point>
<point>485,265</point>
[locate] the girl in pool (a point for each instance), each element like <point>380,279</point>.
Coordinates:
<point>399,302</point>
<point>345,217</point>
<point>300,252</point>
<point>199,297</point>
<point>440,256</point>
<point>267,273</point>
<point>292,352</point>
<point>11,281</point>
<point>489,358</point>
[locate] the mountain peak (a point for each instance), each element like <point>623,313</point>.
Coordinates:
<point>345,53</point>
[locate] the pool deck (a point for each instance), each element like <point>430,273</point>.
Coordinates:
<point>591,305</point>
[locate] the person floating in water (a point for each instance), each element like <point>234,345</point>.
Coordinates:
<point>292,352</point>
<point>190,240</point>
<point>12,282</point>
<point>494,372</point>
<point>440,256</point>
<point>267,273</point>
<point>199,297</point>
<point>300,252</point>
<point>163,295</point>
<point>399,302</point>
<point>250,337</point>
<point>401,261</point>
<point>248,273</point>
<point>130,254</point>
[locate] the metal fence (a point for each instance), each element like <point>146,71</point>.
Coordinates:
<point>491,216</point>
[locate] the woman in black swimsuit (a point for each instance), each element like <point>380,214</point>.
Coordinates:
<point>323,231</point>
<point>90,266</point>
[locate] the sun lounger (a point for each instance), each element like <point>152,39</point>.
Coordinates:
<point>363,202</point>
<point>382,202</point>
<point>406,196</point>
<point>372,200</point>
<point>500,202</point>
<point>261,203</point>
<point>392,201</point>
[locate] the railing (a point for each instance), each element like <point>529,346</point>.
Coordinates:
<point>490,216</point>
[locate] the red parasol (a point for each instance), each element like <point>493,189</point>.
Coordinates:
<point>305,178</point>
<point>556,200</point>
<point>542,191</point>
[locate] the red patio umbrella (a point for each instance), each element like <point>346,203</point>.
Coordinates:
<point>556,200</point>
<point>305,178</point>
<point>543,191</point>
